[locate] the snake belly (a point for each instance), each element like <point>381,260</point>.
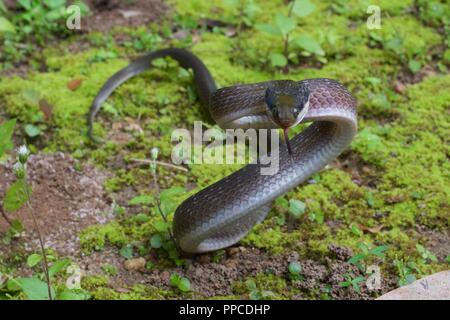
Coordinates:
<point>224,212</point>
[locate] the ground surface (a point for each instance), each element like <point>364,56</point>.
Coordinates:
<point>391,188</point>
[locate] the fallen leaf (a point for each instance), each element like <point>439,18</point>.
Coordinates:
<point>74,84</point>
<point>375,229</point>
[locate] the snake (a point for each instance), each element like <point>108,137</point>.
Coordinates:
<point>221,214</point>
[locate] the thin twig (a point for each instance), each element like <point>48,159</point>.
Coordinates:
<point>165,164</point>
<point>41,239</point>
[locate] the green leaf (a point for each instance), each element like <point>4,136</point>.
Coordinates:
<point>308,44</point>
<point>414,66</point>
<point>167,194</point>
<point>379,251</point>
<point>34,259</point>
<point>13,285</point>
<point>161,226</point>
<point>6,26</point>
<point>16,226</point>
<point>355,230</point>
<point>142,218</point>
<point>285,24</point>
<point>59,266</point>
<point>53,4</point>
<point>34,288</point>
<point>270,29</point>
<point>303,8</point>
<point>174,279</point>
<point>278,60</point>
<point>282,202</point>
<point>251,285</point>
<point>184,285</point>
<point>141,200</point>
<point>296,207</point>
<point>15,197</point>
<point>26,4</point>
<point>127,252</point>
<point>356,258</point>
<point>168,206</point>
<point>72,295</point>
<point>294,268</point>
<point>32,131</point>
<point>6,132</point>
<point>156,241</point>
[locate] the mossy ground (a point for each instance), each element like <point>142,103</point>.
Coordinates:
<point>394,177</point>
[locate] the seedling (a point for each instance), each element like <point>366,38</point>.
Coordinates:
<point>183,284</point>
<point>255,293</point>
<point>283,27</point>
<point>295,270</point>
<point>352,282</point>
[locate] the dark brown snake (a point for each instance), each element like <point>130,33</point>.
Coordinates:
<point>221,214</point>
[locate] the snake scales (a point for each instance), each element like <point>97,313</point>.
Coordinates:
<point>221,214</point>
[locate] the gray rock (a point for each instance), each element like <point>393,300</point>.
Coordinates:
<point>433,287</point>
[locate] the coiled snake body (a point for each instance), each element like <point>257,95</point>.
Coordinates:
<point>221,214</point>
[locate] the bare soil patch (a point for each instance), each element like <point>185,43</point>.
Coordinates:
<point>66,201</point>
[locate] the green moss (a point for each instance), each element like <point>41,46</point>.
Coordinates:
<point>264,283</point>
<point>95,237</point>
<point>136,292</point>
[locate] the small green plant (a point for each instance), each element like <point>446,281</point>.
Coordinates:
<point>317,216</point>
<point>127,251</point>
<point>255,293</point>
<point>295,270</point>
<point>109,269</point>
<point>352,282</point>
<point>426,254</point>
<point>163,205</point>
<point>292,210</point>
<point>181,283</point>
<point>283,27</point>
<point>356,230</point>
<point>406,271</point>
<point>296,208</point>
<point>18,195</point>
<point>360,259</point>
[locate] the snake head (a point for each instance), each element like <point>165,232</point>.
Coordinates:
<point>287,102</point>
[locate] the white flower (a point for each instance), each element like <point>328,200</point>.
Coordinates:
<point>23,154</point>
<point>23,151</point>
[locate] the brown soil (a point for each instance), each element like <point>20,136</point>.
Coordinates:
<point>107,14</point>
<point>65,201</point>
<point>209,279</point>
